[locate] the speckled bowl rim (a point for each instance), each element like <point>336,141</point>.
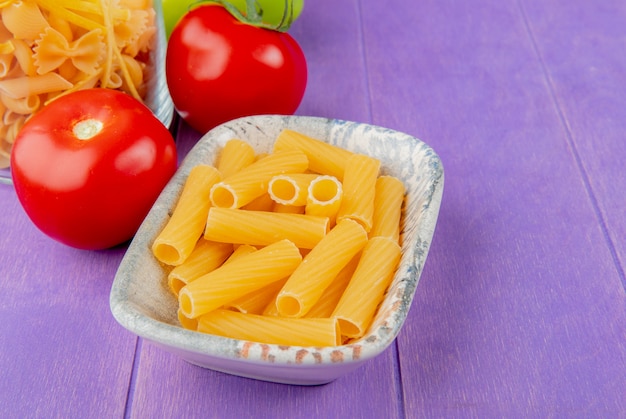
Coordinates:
<point>400,154</point>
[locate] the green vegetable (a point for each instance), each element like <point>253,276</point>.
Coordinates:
<point>271,14</point>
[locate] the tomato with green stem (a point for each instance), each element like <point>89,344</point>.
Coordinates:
<point>218,69</point>
<point>88,167</point>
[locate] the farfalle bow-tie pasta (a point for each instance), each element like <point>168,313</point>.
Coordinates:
<point>52,47</point>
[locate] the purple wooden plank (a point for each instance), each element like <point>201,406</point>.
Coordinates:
<point>61,352</point>
<point>164,385</point>
<point>588,79</point>
<point>520,310</point>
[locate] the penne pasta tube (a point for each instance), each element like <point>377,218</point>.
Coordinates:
<point>273,330</point>
<point>287,209</point>
<point>324,158</point>
<point>262,203</point>
<point>232,280</point>
<point>23,87</point>
<point>319,268</point>
<point>252,181</point>
<point>324,197</point>
<point>236,154</point>
<point>256,301</point>
<point>387,208</point>
<point>359,189</point>
<point>367,287</point>
<point>186,322</point>
<point>240,250</point>
<point>291,189</point>
<point>261,228</point>
<point>177,240</point>
<point>205,257</point>
<point>331,296</point>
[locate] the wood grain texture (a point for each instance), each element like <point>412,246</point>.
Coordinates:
<point>61,352</point>
<point>521,310</point>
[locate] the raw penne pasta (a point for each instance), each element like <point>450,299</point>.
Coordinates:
<point>291,189</point>
<point>232,280</point>
<point>23,87</point>
<point>359,189</point>
<point>252,181</point>
<point>287,209</point>
<point>239,251</point>
<point>235,155</point>
<point>332,294</point>
<point>186,322</point>
<point>262,203</point>
<point>260,228</point>
<point>324,197</point>
<point>205,257</point>
<point>324,158</point>
<point>256,301</point>
<point>387,208</point>
<point>274,330</point>
<point>319,268</point>
<point>176,241</point>
<point>271,309</point>
<point>366,289</point>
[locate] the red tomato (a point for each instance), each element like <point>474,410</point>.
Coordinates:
<point>88,167</point>
<point>219,69</point>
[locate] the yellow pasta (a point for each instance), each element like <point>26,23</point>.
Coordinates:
<point>235,155</point>
<point>324,197</point>
<point>329,299</point>
<point>186,322</point>
<point>367,287</point>
<point>387,208</point>
<point>359,188</point>
<point>319,268</point>
<point>287,209</point>
<point>205,257</point>
<point>256,301</point>
<point>176,241</point>
<point>262,203</point>
<point>324,158</point>
<point>252,181</point>
<point>233,280</point>
<point>260,228</point>
<point>239,251</point>
<point>24,19</point>
<point>275,330</point>
<point>291,189</point>
<point>49,48</point>
<point>30,87</point>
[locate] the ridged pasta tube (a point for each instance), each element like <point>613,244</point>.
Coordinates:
<point>177,240</point>
<point>275,330</point>
<point>248,273</point>
<point>367,287</point>
<point>320,267</point>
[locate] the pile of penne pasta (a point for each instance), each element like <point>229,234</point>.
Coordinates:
<point>53,47</point>
<point>294,247</point>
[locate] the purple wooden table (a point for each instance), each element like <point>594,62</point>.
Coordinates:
<point>521,309</point>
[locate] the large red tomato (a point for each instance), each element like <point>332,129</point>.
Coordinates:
<point>219,69</point>
<point>88,167</point>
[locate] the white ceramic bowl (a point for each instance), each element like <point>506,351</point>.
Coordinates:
<point>142,303</point>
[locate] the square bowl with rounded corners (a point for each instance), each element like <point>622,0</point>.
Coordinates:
<point>141,301</point>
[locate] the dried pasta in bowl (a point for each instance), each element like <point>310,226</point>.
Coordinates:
<point>265,274</point>
<point>49,48</point>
